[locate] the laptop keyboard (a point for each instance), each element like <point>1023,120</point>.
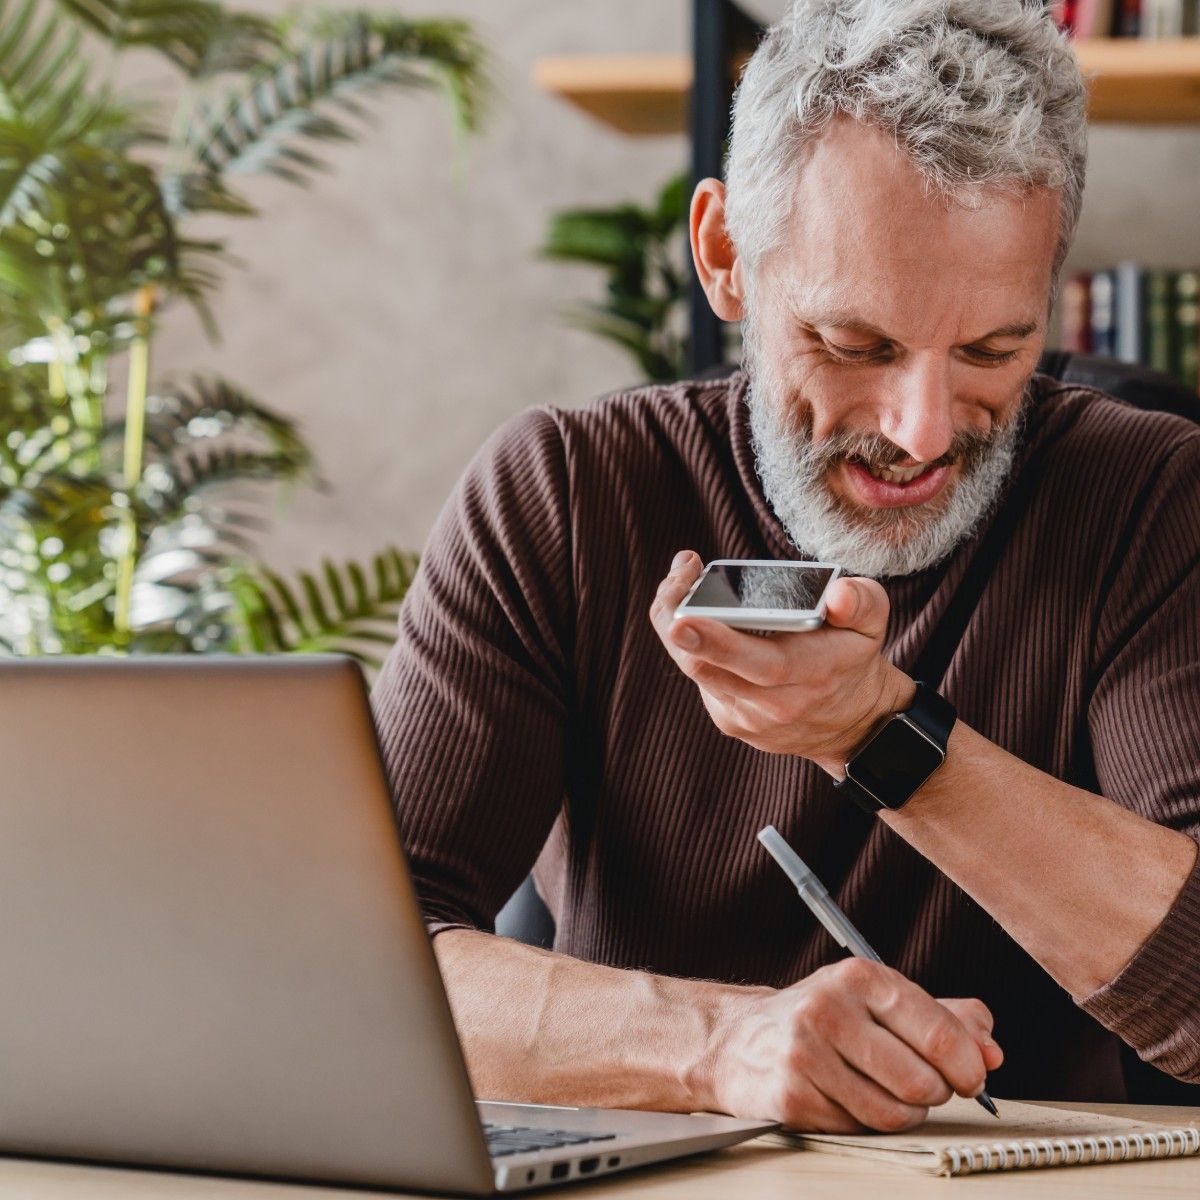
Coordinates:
<point>517,1139</point>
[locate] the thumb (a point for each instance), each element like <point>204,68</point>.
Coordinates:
<point>858,604</point>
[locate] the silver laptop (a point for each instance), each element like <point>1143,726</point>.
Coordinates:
<point>213,957</point>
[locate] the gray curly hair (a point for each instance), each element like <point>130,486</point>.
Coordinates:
<point>975,92</point>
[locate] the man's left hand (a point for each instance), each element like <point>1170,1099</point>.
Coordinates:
<point>816,694</point>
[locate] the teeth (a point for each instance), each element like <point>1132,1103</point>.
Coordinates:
<point>896,474</point>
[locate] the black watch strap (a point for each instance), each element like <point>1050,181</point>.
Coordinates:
<point>924,729</point>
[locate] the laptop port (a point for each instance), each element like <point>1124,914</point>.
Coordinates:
<point>560,1170</point>
<point>615,1161</point>
<point>588,1165</point>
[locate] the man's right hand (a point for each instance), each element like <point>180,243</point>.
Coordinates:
<point>853,1046</point>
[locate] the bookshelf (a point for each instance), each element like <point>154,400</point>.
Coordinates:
<point>1132,81</point>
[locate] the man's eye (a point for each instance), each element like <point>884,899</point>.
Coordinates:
<point>854,353</point>
<point>990,357</point>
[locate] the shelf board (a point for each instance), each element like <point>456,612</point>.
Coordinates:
<point>634,93</point>
<point>1131,81</point>
<point>1142,83</point>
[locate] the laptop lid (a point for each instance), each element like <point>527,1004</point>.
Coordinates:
<point>213,956</point>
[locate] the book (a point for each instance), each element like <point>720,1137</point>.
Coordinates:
<point>1187,328</point>
<point>1129,18</point>
<point>1064,13</point>
<point>1094,18</point>
<point>1103,315</point>
<point>1158,330</point>
<point>1162,18</point>
<point>1075,334</point>
<point>1127,280</point>
<point>960,1139</point>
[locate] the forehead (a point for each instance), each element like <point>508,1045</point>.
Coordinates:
<point>867,235</point>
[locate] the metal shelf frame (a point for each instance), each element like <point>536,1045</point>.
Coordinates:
<point>721,33</point>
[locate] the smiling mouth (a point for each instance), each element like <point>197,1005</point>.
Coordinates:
<point>876,487</point>
<point>899,475</point>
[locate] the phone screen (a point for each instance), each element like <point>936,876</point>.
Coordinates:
<point>774,587</point>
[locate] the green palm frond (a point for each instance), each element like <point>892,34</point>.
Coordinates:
<point>309,95</point>
<point>351,608</point>
<point>199,36</point>
<point>55,533</point>
<point>447,54</point>
<point>210,433</point>
<point>208,408</point>
<point>87,227</point>
<point>61,502</point>
<point>41,451</point>
<point>640,250</point>
<point>37,436</point>
<point>198,191</point>
<point>40,61</point>
<point>658,355</point>
<point>175,488</point>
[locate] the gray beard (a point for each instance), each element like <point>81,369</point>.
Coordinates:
<point>877,544</point>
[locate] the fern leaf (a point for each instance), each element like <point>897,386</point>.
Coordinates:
<point>198,36</point>
<point>175,487</point>
<point>335,611</point>
<point>42,70</point>
<point>332,60</point>
<point>212,407</point>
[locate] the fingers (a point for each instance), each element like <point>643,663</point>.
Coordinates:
<point>898,1070</point>
<point>701,648</point>
<point>930,1029</point>
<point>853,1045</point>
<point>977,1020</point>
<point>821,1056</point>
<point>858,604</point>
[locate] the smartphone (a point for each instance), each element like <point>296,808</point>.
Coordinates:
<point>761,593</point>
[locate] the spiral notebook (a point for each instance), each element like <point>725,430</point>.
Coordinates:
<point>960,1138</point>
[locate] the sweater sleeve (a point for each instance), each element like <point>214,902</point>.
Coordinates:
<point>471,703</point>
<point>1144,721</point>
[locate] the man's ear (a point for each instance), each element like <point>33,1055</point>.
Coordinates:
<point>717,263</point>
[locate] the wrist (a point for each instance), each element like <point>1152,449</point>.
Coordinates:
<point>707,1076</point>
<point>895,693</point>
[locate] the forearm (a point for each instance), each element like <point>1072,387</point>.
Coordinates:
<point>543,1027</point>
<point>1077,880</point>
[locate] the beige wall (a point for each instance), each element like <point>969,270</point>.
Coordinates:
<point>400,311</point>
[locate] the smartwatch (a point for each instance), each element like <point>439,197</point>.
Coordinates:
<point>901,754</point>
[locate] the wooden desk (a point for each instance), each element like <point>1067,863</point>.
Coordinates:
<point>753,1171</point>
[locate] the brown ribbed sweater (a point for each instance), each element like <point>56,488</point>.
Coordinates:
<point>528,699</point>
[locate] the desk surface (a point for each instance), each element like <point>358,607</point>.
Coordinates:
<point>754,1171</point>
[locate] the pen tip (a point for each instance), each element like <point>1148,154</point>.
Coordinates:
<point>988,1103</point>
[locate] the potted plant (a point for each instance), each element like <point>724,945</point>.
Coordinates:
<point>127,504</point>
<point>642,251</point>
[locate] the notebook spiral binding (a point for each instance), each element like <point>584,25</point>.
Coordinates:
<point>1070,1152</point>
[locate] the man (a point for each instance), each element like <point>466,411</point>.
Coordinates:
<point>904,183</point>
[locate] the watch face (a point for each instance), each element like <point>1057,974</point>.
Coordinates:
<point>895,762</point>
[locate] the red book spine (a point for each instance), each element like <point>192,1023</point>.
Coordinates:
<point>1076,333</point>
<point>1066,14</point>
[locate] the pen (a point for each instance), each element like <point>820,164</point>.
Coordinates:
<point>813,893</point>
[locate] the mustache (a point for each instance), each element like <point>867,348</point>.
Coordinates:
<point>968,447</point>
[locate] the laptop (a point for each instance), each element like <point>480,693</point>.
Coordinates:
<point>213,955</point>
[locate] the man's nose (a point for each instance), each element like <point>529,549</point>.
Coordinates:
<point>918,417</point>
